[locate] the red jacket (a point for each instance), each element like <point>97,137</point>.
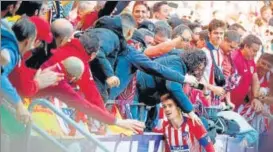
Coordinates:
<point>22,78</point>
<point>91,103</point>
<point>89,20</point>
<point>86,83</point>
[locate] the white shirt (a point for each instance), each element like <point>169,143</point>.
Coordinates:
<point>207,72</point>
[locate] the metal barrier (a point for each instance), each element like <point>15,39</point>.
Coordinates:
<point>212,111</point>
<point>142,107</point>
<point>68,120</point>
<point>35,128</point>
<point>257,126</point>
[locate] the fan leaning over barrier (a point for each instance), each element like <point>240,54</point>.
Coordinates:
<point>74,69</point>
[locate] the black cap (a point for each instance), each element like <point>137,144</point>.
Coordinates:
<point>147,25</point>
<point>137,36</point>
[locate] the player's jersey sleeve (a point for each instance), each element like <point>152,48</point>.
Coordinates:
<point>198,131</point>
<point>200,134</point>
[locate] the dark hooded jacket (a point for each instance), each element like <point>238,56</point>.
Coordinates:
<point>137,36</point>
<point>108,30</point>
<point>114,24</point>
<point>111,40</point>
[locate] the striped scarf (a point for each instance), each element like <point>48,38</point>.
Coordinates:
<point>260,121</point>
<point>125,99</point>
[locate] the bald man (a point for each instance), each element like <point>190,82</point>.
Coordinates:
<point>74,67</point>
<point>62,31</point>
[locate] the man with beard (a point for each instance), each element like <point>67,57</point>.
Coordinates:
<point>243,60</point>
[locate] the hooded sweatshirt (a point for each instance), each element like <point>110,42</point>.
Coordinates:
<point>114,24</point>
<point>9,43</point>
<point>112,43</point>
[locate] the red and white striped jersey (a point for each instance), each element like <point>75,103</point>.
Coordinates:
<point>247,111</point>
<point>183,139</point>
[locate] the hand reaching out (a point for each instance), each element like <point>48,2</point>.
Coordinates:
<point>134,125</point>
<point>47,77</point>
<point>113,81</point>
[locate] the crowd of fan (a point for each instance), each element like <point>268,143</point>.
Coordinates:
<point>86,53</point>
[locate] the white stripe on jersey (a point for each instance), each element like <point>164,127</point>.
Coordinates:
<point>172,137</point>
<point>167,134</point>
<point>180,141</point>
<point>170,132</point>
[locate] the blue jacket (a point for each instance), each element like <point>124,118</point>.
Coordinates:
<point>149,86</point>
<point>133,60</point>
<point>9,43</point>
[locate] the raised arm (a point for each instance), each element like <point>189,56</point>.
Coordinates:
<point>143,63</point>
<point>108,8</point>
<point>162,48</point>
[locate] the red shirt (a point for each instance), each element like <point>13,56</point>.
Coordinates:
<point>246,69</point>
<point>197,98</point>
<point>249,113</point>
<point>195,95</point>
<point>22,78</point>
<point>227,66</point>
<point>186,138</point>
<point>86,83</point>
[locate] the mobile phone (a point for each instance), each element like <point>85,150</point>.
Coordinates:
<point>199,86</point>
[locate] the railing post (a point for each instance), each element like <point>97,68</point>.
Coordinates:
<point>68,120</point>
<point>30,126</point>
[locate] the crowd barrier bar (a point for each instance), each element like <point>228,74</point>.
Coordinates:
<point>30,126</point>
<point>68,120</point>
<point>140,105</point>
